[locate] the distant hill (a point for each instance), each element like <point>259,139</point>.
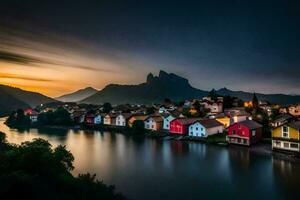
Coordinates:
<point>78,95</point>
<point>9,103</point>
<point>282,99</point>
<point>12,98</point>
<point>155,89</point>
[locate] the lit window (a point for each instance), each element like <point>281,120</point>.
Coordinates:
<point>285,131</point>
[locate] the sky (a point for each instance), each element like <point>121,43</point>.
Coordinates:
<point>59,46</point>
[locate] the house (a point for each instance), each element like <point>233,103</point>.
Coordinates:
<point>205,127</point>
<point>180,126</point>
<point>294,110</point>
<point>282,119</point>
<point>237,114</point>
<point>225,120</point>
<point>98,118</point>
<point>122,119</point>
<point>244,133</point>
<point>287,137</point>
<point>90,119</point>
<point>78,116</point>
<point>134,118</point>
<point>169,117</point>
<point>110,119</point>
<point>33,115</point>
<point>154,123</point>
<point>162,109</point>
<point>167,120</point>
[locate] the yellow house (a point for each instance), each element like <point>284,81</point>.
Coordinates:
<point>287,137</point>
<point>224,120</point>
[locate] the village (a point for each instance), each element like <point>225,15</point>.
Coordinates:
<point>235,121</point>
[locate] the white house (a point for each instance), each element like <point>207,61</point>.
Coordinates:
<point>153,123</point>
<point>122,119</point>
<point>205,127</point>
<point>167,120</point>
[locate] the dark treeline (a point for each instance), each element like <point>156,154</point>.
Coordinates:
<point>35,170</point>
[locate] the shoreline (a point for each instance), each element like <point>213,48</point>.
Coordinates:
<point>261,148</point>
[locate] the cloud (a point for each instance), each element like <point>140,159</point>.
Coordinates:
<point>27,78</point>
<point>22,59</point>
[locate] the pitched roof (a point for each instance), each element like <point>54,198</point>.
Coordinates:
<point>187,121</point>
<point>140,117</point>
<point>283,117</point>
<point>295,125</point>
<point>156,118</point>
<point>209,123</point>
<point>250,124</point>
<point>126,115</point>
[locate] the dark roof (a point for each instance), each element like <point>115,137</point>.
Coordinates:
<point>140,117</point>
<point>283,117</point>
<point>209,123</point>
<point>295,125</point>
<point>126,115</point>
<point>187,121</point>
<point>250,124</point>
<point>156,118</point>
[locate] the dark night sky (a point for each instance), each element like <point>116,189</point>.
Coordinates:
<point>242,45</point>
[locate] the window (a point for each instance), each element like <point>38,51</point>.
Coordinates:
<point>239,126</point>
<point>294,145</point>
<point>277,143</point>
<point>233,132</point>
<point>196,128</point>
<point>286,145</point>
<point>285,131</point>
<point>253,132</point>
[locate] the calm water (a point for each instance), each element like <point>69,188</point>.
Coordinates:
<point>150,169</point>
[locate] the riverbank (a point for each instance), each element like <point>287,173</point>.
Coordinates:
<point>262,148</point>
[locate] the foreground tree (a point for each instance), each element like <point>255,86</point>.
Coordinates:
<point>33,170</point>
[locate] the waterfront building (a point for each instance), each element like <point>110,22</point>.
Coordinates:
<point>287,137</point>
<point>154,123</point>
<point>205,128</point>
<point>244,133</point>
<point>122,119</point>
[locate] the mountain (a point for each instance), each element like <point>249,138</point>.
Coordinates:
<point>155,89</point>
<point>9,103</point>
<point>78,95</point>
<point>12,98</point>
<point>282,99</point>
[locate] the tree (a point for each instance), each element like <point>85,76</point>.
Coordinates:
<point>40,172</point>
<point>59,117</point>
<point>138,127</point>
<point>17,119</point>
<point>255,102</point>
<point>2,137</point>
<point>150,110</point>
<point>107,107</point>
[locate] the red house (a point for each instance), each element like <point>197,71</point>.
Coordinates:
<point>181,126</point>
<point>89,119</point>
<point>244,133</point>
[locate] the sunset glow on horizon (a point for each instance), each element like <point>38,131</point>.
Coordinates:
<point>212,45</point>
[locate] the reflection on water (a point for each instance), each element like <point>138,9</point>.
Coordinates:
<point>144,168</point>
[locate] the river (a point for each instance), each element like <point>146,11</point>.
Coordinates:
<point>152,169</point>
